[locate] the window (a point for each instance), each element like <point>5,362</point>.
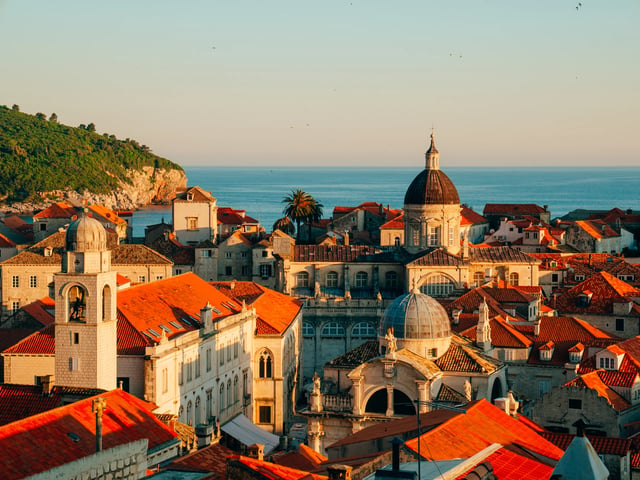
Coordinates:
<point>619,324</point>
<point>396,241</point>
<point>235,348</point>
<point>265,365</point>
<point>451,236</point>
<point>361,280</point>
<point>76,338</point>
<point>514,279</point>
<point>180,373</point>
<point>543,387</point>
<point>189,371</point>
<point>265,270</point>
<point>235,389</point>
<point>228,255</point>
<point>606,363</point>
<point>15,306</point>
<point>265,254</point>
<point>228,270</point>
<point>478,278</point>
<point>575,403</point>
<point>33,281</point>
<point>208,359</point>
<point>579,278</point>
<point>391,280</point>
<point>192,223</point>
<point>333,329</point>
<point>159,277</point>
<point>229,393</point>
<point>437,286</point>
<point>190,413</point>
<point>229,352</point>
<point>205,253</point>
<point>221,354</point>
<point>221,396</point>
<point>15,281</point>
<point>332,279</point>
<point>209,406</point>
<point>74,364</point>
<point>245,254</point>
<point>197,366</point>
<point>178,271</point>
<point>264,414</point>
<point>434,236</point>
<point>363,330</point>
<point>43,227</point>
<point>302,280</point>
<point>246,270</point>
<point>142,278</point>
<point>165,380</point>
<point>554,277</point>
<point>307,330</point>
<point>197,412</point>
<point>415,234</point>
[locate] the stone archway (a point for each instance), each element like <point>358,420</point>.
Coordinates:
<point>377,403</point>
<point>402,404</point>
<point>497,391</point>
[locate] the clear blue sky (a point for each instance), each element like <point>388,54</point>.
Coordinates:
<point>310,82</point>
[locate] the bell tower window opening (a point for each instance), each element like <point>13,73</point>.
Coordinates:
<point>265,365</point>
<point>77,301</point>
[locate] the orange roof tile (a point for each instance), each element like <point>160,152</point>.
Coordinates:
<point>395,223</point>
<point>107,214</point>
<point>209,459</point>
<point>273,471</point>
<point>58,210</point>
<point>6,242</point>
<point>42,310</point>
<point>508,465</point>
<point>305,459</point>
<point>65,434</point>
<point>483,424</point>
<point>597,228</point>
<point>593,381</point>
<point>469,217</point>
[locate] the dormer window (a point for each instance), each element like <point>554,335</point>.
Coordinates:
<point>189,196</point>
<point>48,251</point>
<point>607,363</point>
<point>546,351</point>
<point>576,352</point>
<point>584,299</point>
<point>579,278</point>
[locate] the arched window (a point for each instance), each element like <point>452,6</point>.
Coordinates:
<point>235,389</point>
<point>333,329</point>
<point>198,419</point>
<point>332,279</point>
<point>181,414</point>
<point>478,278</point>
<point>189,413</point>
<point>361,280</point>
<point>229,393</point>
<point>308,330</point>
<point>363,330</point>
<point>391,280</point>
<point>222,396</point>
<point>437,286</point>
<point>396,241</point>
<point>106,303</point>
<point>302,280</point>
<point>77,304</point>
<point>265,366</point>
<point>514,278</point>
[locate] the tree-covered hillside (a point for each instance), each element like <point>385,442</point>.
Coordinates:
<point>41,155</point>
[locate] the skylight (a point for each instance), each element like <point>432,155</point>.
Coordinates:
<point>216,310</point>
<point>153,332</point>
<point>175,325</point>
<point>165,328</point>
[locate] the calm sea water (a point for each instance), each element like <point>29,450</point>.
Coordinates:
<point>260,190</point>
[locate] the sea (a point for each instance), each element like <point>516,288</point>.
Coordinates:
<point>260,190</point>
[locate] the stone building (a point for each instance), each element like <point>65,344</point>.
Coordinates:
<point>415,360</point>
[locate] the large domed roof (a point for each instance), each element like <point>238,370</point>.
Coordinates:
<point>86,234</point>
<point>416,316</point>
<point>432,186</point>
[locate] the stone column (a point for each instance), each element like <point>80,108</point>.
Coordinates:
<point>315,433</point>
<point>357,395</point>
<point>389,412</point>
<point>347,292</point>
<point>423,386</point>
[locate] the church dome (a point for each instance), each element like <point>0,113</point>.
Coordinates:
<point>432,186</point>
<point>86,234</point>
<point>419,323</point>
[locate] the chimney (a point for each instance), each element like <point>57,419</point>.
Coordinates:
<point>395,455</point>
<point>339,472</point>
<point>46,382</point>
<point>284,443</point>
<point>456,316</point>
<point>232,285</point>
<point>346,237</point>
<point>98,406</point>
<point>256,451</point>
<point>204,431</point>
<point>536,327</point>
<point>206,317</point>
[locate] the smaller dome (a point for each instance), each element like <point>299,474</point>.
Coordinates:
<point>419,324</point>
<point>86,234</point>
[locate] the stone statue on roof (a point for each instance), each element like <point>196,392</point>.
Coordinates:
<point>467,390</point>
<point>391,342</point>
<point>316,384</point>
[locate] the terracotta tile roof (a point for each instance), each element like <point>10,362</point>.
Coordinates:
<point>199,195</point>
<point>483,424</point>
<point>21,401</point>
<point>399,427</point>
<point>58,210</point>
<point>508,465</point>
<point>231,216</point>
<point>463,357</point>
<point>395,223</point>
<point>469,217</point>
<point>356,356</point>
<point>513,208</point>
<point>614,378</point>
<point>305,459</point>
<point>273,471</point>
<point>136,254</point>
<point>212,458</point>
<point>597,228</point>
<point>436,257</point>
<point>503,334</point>
<point>177,299</point>
<point>276,311</point>
<point>593,381</point>
<point>333,253</point>
<point>5,242</point>
<point>38,343</point>
<point>106,213</point>
<point>43,311</point>
<point>500,255</point>
<point>449,395</point>
<point>41,442</point>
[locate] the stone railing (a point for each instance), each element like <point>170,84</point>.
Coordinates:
<point>337,403</point>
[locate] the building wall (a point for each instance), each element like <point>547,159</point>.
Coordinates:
<point>423,217</point>
<point>132,367</point>
<point>204,212</point>
<point>23,369</point>
<point>609,323</point>
<point>24,293</point>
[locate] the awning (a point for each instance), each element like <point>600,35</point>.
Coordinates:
<point>247,433</point>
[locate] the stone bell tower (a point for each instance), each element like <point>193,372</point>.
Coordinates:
<point>85,299</point>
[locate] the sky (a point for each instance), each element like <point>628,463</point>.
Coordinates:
<point>336,83</point>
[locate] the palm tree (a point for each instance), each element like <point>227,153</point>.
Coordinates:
<point>301,206</point>
<point>285,225</point>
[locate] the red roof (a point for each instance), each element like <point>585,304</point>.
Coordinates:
<point>469,217</point>
<point>508,465</point>
<point>513,208</point>
<point>21,401</point>
<point>273,471</point>
<point>231,216</point>
<point>39,343</point>
<point>58,210</point>
<point>597,228</point>
<point>6,242</point>
<point>209,459</point>
<point>305,459</point>
<point>42,310</point>
<point>396,223</point>
<point>593,381</point>
<point>65,434</point>
<point>605,290</point>
<point>483,424</point>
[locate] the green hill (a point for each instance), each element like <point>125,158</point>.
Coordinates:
<point>39,155</point>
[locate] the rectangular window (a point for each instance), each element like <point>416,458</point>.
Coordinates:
<point>228,270</point>
<point>189,371</point>
<point>205,253</point>
<point>15,306</point>
<point>265,271</point>
<point>554,277</point>
<point>198,366</point>
<point>228,352</point>
<point>15,281</point>
<point>451,239</point>
<point>245,270</point>
<point>43,227</point>
<point>192,223</point>
<point>264,414</point>
<point>165,380</point>
<point>227,255</point>
<point>434,236</point>
<point>33,281</point>
<point>208,359</point>
<point>209,405</point>
<point>76,338</point>
<point>575,403</point>
<point>619,324</point>
<point>606,363</point>
<point>245,254</point>
<point>543,387</point>
<point>221,354</point>
<point>235,349</point>
<point>178,271</point>
<point>142,278</point>
<point>74,364</point>
<point>180,373</point>
<point>159,277</point>
<point>265,253</point>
